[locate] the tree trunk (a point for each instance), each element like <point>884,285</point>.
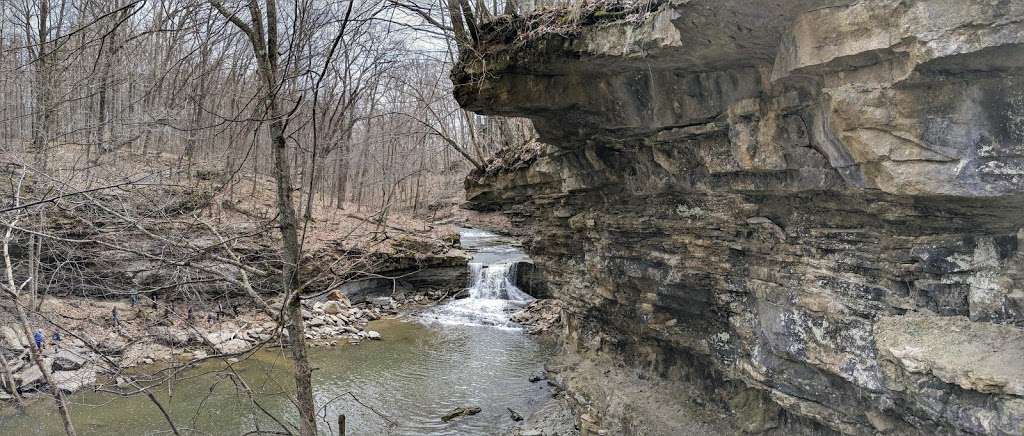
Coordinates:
<point>458,26</point>
<point>44,116</point>
<point>58,395</point>
<point>9,381</point>
<point>288,224</point>
<point>266,53</point>
<point>12,291</point>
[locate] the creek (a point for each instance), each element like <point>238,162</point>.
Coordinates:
<point>462,353</point>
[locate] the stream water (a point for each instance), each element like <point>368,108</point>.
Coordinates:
<point>463,353</point>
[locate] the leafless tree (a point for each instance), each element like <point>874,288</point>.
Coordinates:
<point>132,127</point>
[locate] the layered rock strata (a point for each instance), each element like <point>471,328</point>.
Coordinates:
<point>811,207</point>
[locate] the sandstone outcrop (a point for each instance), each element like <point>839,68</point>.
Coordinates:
<point>810,206</point>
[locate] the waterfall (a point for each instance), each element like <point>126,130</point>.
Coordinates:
<point>495,281</point>
<point>492,291</point>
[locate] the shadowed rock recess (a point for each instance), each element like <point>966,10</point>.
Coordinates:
<point>812,209</point>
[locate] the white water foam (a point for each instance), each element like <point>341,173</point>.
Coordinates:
<point>493,295</point>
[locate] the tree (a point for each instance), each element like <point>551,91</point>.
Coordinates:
<point>14,291</point>
<point>263,38</point>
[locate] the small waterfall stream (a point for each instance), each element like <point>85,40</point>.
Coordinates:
<point>493,294</point>
<point>465,352</point>
<point>495,282</point>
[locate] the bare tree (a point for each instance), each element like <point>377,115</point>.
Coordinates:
<point>100,98</point>
<point>14,292</point>
<point>263,36</point>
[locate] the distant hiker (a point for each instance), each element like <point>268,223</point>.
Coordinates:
<point>113,317</point>
<point>38,336</point>
<point>135,299</point>
<point>56,339</point>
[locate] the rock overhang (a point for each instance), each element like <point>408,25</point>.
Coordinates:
<point>900,97</point>
<point>786,216</point>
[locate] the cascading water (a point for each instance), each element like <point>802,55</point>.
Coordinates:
<point>495,282</point>
<point>493,294</point>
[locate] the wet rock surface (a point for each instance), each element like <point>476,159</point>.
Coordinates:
<point>555,417</point>
<point>460,412</point>
<point>799,210</point>
<point>539,316</point>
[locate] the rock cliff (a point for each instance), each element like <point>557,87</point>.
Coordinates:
<point>810,209</point>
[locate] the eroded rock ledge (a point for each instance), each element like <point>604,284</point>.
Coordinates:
<point>813,205</point>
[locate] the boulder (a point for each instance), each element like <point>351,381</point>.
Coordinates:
<point>157,353</point>
<point>382,302</point>
<point>71,381</point>
<point>28,377</point>
<point>333,307</point>
<point>339,297</point>
<point>232,346</point>
<point>460,412</point>
<point>373,334</point>
<point>276,306</point>
<point>257,335</point>
<point>316,321</point>
<point>17,363</point>
<point>111,345</point>
<point>170,336</point>
<point>67,360</point>
<point>514,415</point>
<point>217,338</point>
<point>11,338</point>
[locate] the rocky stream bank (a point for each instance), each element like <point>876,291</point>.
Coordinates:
<point>96,339</point>
<point>93,347</point>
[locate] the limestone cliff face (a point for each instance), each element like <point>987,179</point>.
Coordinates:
<point>819,204</point>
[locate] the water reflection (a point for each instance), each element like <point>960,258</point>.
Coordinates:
<point>470,355</point>
<point>412,377</point>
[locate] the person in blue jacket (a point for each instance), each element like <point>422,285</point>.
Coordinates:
<point>39,337</point>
